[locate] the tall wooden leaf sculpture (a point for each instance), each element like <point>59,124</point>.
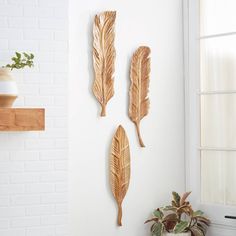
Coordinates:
<point>139,75</point>
<point>120,168</point>
<point>104,57</point>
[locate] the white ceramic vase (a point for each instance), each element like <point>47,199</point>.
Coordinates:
<point>8,88</point>
<point>181,234</point>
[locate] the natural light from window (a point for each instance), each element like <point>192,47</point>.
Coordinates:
<point>218,101</point>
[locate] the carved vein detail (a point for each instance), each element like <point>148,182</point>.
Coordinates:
<point>104,57</point>
<point>139,88</point>
<point>119,168</point>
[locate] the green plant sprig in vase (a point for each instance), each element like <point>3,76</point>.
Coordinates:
<point>8,86</point>
<point>178,219</point>
<point>21,60</point>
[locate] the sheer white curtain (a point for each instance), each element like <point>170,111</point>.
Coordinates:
<point>218,101</point>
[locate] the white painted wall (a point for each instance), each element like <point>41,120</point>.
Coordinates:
<point>159,168</point>
<point>33,165</point>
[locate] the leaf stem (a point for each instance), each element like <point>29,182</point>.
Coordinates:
<point>139,135</point>
<point>103,112</point>
<point>119,214</point>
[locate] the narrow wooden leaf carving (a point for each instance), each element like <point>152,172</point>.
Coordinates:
<point>139,88</point>
<point>104,57</point>
<point>120,168</point>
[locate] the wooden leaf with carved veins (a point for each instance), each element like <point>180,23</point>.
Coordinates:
<point>120,168</point>
<point>139,88</point>
<point>104,57</point>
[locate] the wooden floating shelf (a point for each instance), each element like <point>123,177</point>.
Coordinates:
<point>22,119</point>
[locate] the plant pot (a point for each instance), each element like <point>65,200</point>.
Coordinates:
<point>8,88</point>
<point>181,234</point>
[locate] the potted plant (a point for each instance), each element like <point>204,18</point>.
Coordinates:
<point>8,87</point>
<point>178,219</point>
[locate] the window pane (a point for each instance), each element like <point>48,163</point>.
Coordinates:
<point>212,177</point>
<point>218,120</point>
<point>218,177</point>
<point>218,63</point>
<point>217,16</point>
<point>230,178</point>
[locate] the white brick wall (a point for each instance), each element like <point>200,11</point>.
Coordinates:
<point>33,165</point>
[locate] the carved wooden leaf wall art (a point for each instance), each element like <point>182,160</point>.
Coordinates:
<point>104,57</point>
<point>139,88</point>
<point>120,168</point>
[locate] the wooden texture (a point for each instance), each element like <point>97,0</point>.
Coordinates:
<point>22,119</point>
<point>104,57</point>
<point>120,168</point>
<point>139,88</point>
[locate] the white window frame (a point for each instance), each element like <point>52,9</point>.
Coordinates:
<point>191,24</point>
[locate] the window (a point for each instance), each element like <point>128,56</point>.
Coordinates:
<point>210,69</point>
